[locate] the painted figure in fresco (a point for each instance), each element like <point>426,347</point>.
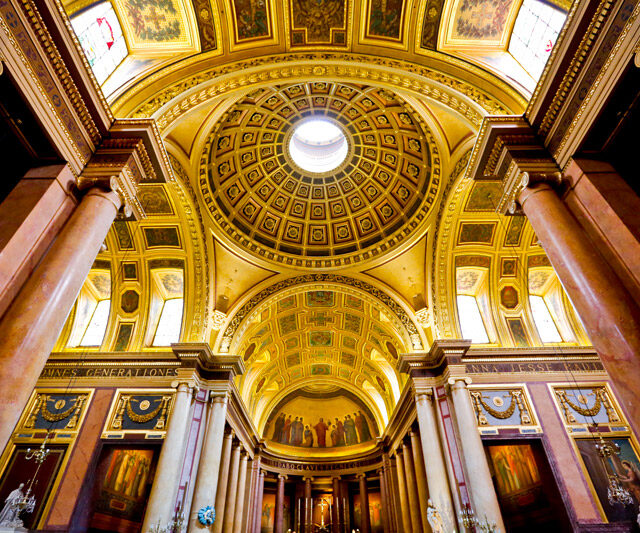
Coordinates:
<point>321,430</point>
<point>278,426</point>
<point>286,432</point>
<point>362,426</point>
<point>112,476</point>
<point>350,431</point>
<point>506,477</point>
<point>631,478</point>
<point>297,428</point>
<point>340,430</point>
<point>334,435</point>
<point>308,437</point>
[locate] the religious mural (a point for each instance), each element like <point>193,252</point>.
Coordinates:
<point>625,465</point>
<point>385,18</point>
<point>529,497</point>
<point>122,486</point>
<point>316,420</point>
<point>267,518</point>
<point>481,19</point>
<point>375,512</point>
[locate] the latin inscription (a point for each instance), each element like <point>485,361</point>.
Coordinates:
<point>554,366</point>
<point>96,372</point>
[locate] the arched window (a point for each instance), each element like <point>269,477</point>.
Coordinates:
<point>534,35</point>
<point>166,306</point>
<point>100,36</point>
<point>92,310</point>
<point>471,297</point>
<point>546,298</point>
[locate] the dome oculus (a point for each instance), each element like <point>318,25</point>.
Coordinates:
<point>318,146</point>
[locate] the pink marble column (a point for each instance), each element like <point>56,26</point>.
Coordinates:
<point>279,515</point>
<point>384,497</point>
<point>33,322</point>
<point>608,312</point>
<point>307,519</point>
<point>337,503</point>
<point>365,521</point>
<point>257,525</point>
<point>405,511</point>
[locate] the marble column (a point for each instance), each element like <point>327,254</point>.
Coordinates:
<point>257,524</point>
<point>232,490</point>
<point>279,515</point>
<point>238,515</point>
<point>308,511</point>
<point>481,488</point>
<point>31,326</point>
<point>404,510</point>
<point>421,477</point>
<point>160,506</point>
<point>435,469</point>
<point>365,520</point>
<point>412,488</point>
<point>337,503</point>
<point>384,496</point>
<point>222,482</point>
<point>388,470</point>
<point>206,484</point>
<point>608,312</point>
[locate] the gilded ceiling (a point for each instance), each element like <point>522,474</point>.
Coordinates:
<point>378,196</point>
<point>320,281</point>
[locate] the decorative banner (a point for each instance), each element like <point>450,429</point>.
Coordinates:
<point>139,411</point>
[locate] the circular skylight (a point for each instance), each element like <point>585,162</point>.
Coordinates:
<point>318,146</point>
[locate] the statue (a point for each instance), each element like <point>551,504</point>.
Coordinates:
<point>15,503</point>
<point>434,518</point>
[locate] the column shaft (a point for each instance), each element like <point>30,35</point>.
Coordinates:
<point>238,515</point>
<point>232,490</point>
<point>279,517</point>
<point>365,521</point>
<point>384,497</point>
<point>483,493</point>
<point>608,312</point>
<point>160,507</point>
<point>435,469</point>
<point>337,503</point>
<point>421,477</point>
<point>32,323</point>
<point>206,486</point>
<point>257,524</point>
<point>412,488</point>
<point>308,511</point>
<point>405,510</point>
<point>222,482</point>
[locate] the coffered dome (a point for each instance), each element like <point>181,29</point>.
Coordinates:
<point>384,179</point>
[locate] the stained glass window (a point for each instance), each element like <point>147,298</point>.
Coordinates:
<point>534,35</point>
<point>101,38</point>
<point>170,323</point>
<point>471,320</point>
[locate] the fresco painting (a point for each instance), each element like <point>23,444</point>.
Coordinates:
<point>321,421</point>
